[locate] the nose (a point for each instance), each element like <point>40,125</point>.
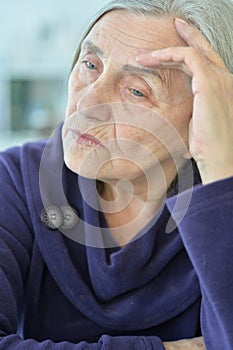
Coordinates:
<point>96,102</point>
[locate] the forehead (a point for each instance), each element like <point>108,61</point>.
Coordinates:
<point>121,31</point>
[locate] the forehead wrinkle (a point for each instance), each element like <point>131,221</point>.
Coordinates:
<point>159,40</point>
<point>141,42</point>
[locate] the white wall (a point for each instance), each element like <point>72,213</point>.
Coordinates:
<point>43,32</point>
<point>38,39</point>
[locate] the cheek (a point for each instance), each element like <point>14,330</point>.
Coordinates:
<point>75,91</point>
<point>178,109</point>
<point>183,117</point>
<point>177,133</point>
<point>80,83</point>
<point>134,134</point>
<point>179,113</point>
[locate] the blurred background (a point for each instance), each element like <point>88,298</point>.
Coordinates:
<point>38,40</point>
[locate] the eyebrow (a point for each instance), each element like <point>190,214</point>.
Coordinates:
<point>142,70</point>
<point>87,44</point>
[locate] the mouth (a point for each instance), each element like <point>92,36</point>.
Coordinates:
<point>85,139</point>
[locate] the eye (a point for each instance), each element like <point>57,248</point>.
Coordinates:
<point>137,93</point>
<point>90,65</point>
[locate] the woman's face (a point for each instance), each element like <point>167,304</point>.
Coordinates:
<point>122,119</point>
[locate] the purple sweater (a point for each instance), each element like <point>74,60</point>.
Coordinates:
<point>58,294</point>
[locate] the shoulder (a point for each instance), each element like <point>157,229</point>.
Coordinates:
<point>15,160</point>
<point>18,161</point>
<point>15,154</point>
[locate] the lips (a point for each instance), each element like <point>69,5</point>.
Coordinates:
<point>85,139</point>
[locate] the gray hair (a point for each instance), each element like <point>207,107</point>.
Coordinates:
<point>214,18</point>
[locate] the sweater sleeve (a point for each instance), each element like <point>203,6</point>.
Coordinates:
<point>16,241</point>
<point>206,227</point>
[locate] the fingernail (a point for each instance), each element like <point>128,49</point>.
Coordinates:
<point>181,21</point>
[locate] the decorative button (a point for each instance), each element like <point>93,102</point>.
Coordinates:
<point>52,217</point>
<point>70,217</point>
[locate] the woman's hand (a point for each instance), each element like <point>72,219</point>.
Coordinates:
<point>186,344</point>
<point>211,126</point>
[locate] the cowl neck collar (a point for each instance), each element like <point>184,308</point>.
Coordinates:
<point>144,284</point>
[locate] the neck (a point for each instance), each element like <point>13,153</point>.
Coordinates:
<point>149,187</point>
<point>128,205</point>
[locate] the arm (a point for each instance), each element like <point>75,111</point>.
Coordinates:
<point>206,231</point>
<point>208,225</point>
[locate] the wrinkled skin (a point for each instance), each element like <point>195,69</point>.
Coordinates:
<point>191,89</point>
<point>132,112</point>
<point>211,126</point>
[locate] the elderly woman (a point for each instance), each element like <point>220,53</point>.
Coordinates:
<point>117,233</point>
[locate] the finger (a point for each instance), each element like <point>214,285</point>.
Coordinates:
<point>193,37</point>
<point>187,59</point>
<point>150,62</point>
